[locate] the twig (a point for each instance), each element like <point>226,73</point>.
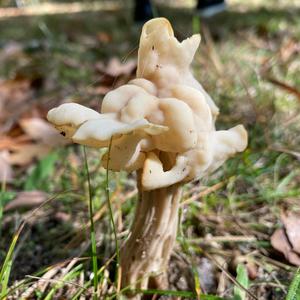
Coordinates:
<point>285,86</point>
<point>225,239</point>
<point>203,193</point>
<point>229,275</point>
<point>57,281</point>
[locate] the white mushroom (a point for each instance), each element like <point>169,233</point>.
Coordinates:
<point>98,132</point>
<point>165,61</point>
<point>154,176</point>
<point>162,125</point>
<point>127,152</point>
<point>69,116</point>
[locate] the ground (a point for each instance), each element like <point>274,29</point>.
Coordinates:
<point>248,62</point>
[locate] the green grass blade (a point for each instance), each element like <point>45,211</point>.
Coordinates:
<point>69,276</point>
<point>243,279</point>
<point>37,179</point>
<point>196,24</point>
<point>4,280</point>
<point>294,288</point>
<point>111,212</point>
<point>88,283</point>
<point>7,264</point>
<point>186,248</point>
<point>92,229</point>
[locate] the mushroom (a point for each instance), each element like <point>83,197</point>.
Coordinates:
<point>161,125</point>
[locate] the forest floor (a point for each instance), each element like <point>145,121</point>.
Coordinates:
<point>240,225</point>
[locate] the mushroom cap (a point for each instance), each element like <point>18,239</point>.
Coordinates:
<point>69,116</point>
<point>128,152</point>
<point>155,177</point>
<point>165,61</point>
<point>71,113</point>
<point>159,47</point>
<point>182,133</point>
<point>147,85</point>
<point>162,122</point>
<point>98,132</point>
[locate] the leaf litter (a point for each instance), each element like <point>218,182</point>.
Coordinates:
<point>287,239</point>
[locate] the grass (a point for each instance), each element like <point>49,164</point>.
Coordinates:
<point>227,227</point>
<point>107,189</point>
<point>294,292</point>
<point>93,238</point>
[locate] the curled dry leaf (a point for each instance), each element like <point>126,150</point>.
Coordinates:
<point>21,150</point>
<point>292,227</point>
<point>287,239</point>
<point>40,130</point>
<point>26,199</point>
<point>38,139</point>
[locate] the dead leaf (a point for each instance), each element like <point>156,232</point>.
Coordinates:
<point>292,227</point>
<point>26,199</point>
<point>280,242</point>
<point>251,266</point>
<point>98,90</point>
<point>6,172</point>
<point>104,37</point>
<point>36,140</point>
<point>252,270</point>
<point>14,90</point>
<point>116,68</point>
<point>13,93</point>
<point>62,216</point>
<point>40,130</point>
<point>287,239</point>
<point>25,154</point>
<point>7,142</point>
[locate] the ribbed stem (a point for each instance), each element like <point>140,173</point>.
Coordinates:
<point>145,255</point>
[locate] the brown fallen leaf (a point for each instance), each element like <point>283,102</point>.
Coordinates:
<point>13,92</point>
<point>98,90</point>
<point>6,172</point>
<point>40,130</point>
<point>35,140</point>
<point>287,239</point>
<point>292,227</point>
<point>280,242</point>
<point>116,68</point>
<point>8,143</point>
<point>62,216</point>
<point>26,200</point>
<point>22,150</point>
<point>104,37</point>
<point>24,154</point>
<point>249,263</point>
